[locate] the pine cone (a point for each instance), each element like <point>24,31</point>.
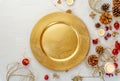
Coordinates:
<point>92,60</point>
<point>116,2</point>
<point>116,8</point>
<point>105,18</point>
<point>105,7</point>
<point>99,49</point>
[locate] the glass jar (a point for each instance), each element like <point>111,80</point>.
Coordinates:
<point>97,4</point>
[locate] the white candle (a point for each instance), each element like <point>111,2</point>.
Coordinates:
<point>109,67</point>
<point>69,2</point>
<point>101,32</point>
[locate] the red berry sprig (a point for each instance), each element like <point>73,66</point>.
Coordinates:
<point>116,50</point>
<point>95,41</point>
<point>117,45</point>
<point>108,35</point>
<point>25,61</point>
<point>109,74</point>
<point>46,77</point>
<point>106,28</point>
<point>106,38</point>
<point>116,65</point>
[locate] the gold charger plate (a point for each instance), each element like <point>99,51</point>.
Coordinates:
<point>60,41</point>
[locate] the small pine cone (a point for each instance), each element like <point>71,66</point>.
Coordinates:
<point>99,49</point>
<point>92,60</point>
<point>105,7</point>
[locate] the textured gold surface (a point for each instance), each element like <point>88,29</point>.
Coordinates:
<point>60,41</point>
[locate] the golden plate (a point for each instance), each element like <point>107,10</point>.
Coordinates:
<point>60,41</point>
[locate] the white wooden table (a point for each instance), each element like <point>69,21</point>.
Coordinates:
<point>17,18</point>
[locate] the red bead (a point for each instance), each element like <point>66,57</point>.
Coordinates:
<point>116,65</point>
<point>25,61</point>
<point>117,45</point>
<point>95,41</point>
<point>115,51</point>
<point>46,77</point>
<point>116,25</point>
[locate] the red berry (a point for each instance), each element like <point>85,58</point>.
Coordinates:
<point>117,45</point>
<point>116,25</point>
<point>116,65</point>
<point>109,74</point>
<point>115,51</point>
<point>95,41</point>
<point>106,28</point>
<point>106,38</point>
<point>25,61</point>
<point>46,77</point>
<point>108,35</point>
